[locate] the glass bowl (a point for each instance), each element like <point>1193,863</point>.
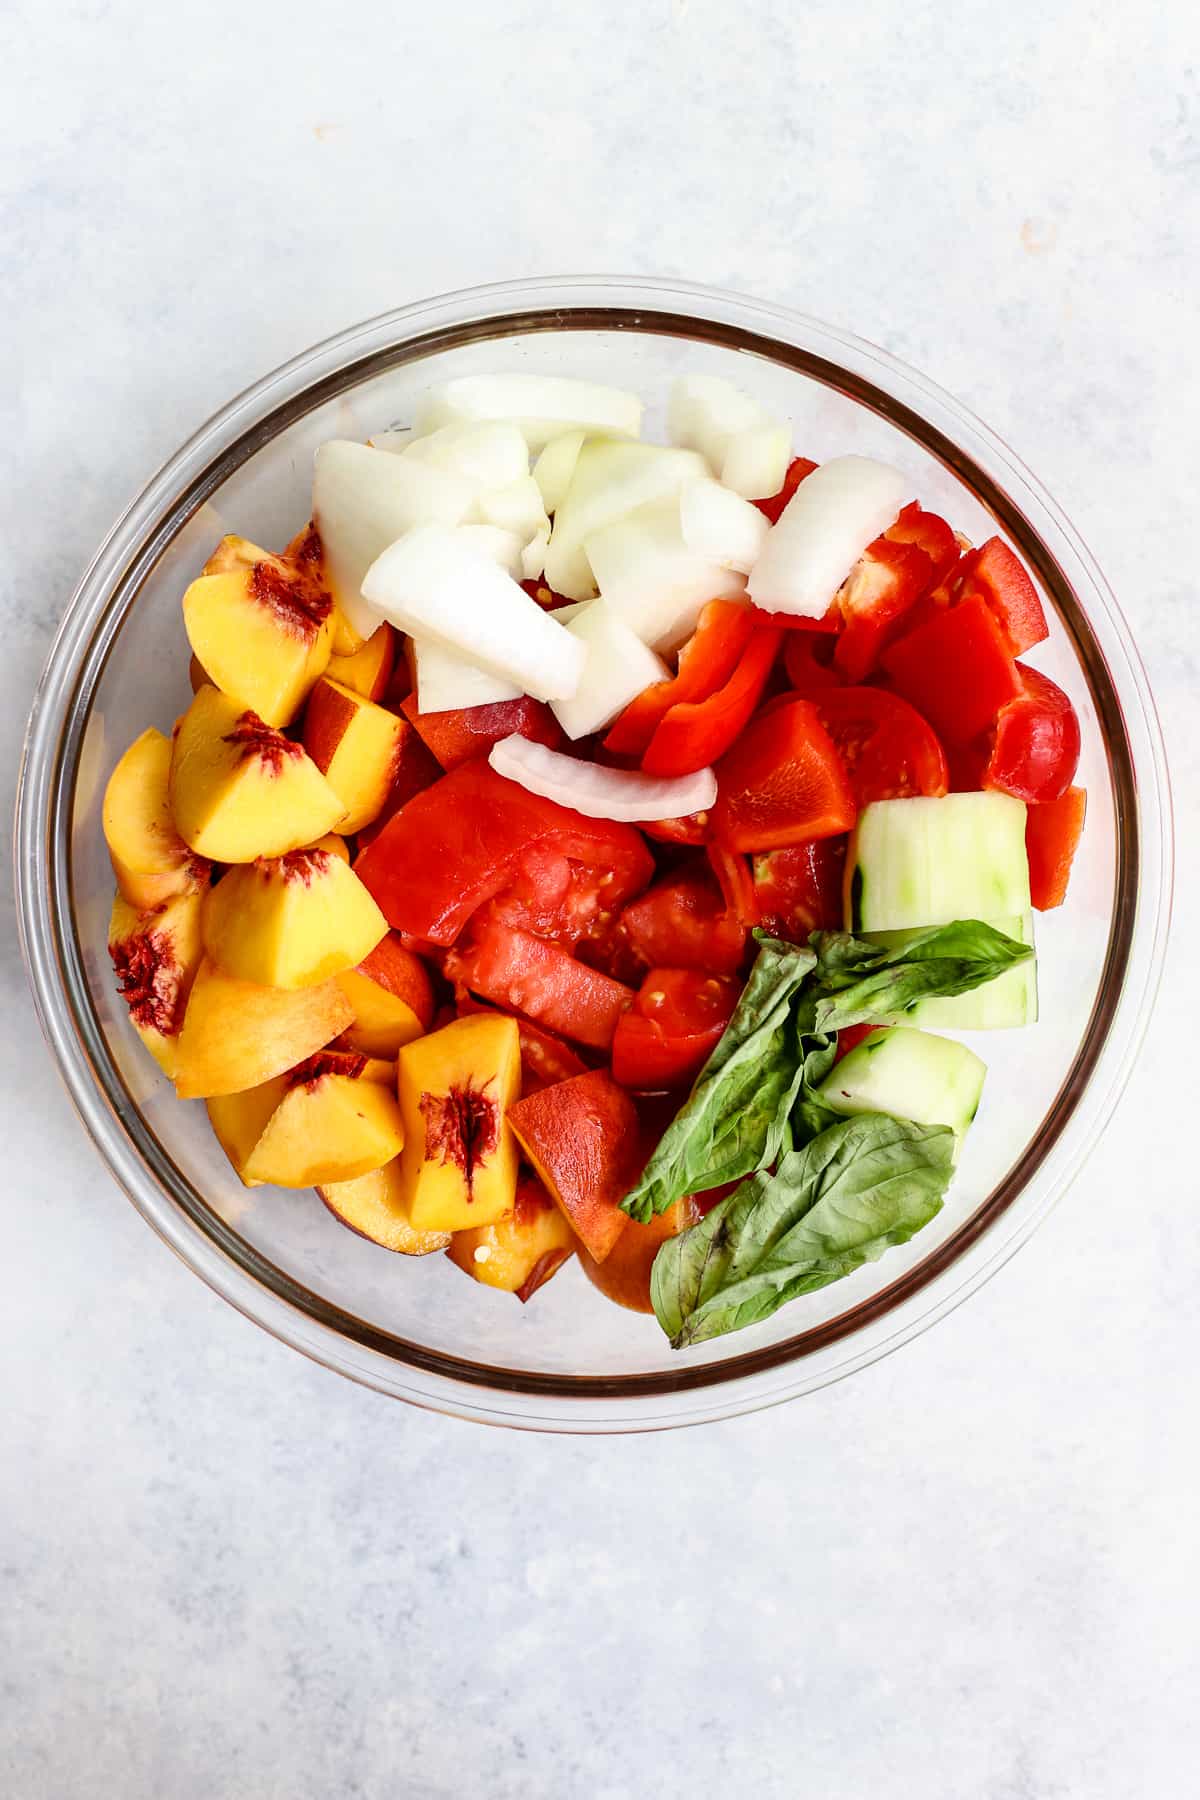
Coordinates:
<point>416,1329</point>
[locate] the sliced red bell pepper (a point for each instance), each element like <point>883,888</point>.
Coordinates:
<point>674,1024</point>
<point>685,923</point>
<point>706,662</point>
<point>956,670</point>
<point>799,889</point>
<point>1052,834</point>
<point>737,885</point>
<point>888,579</point>
<point>526,974</point>
<point>930,533</point>
<point>459,843</point>
<point>454,737</point>
<point>1035,746</point>
<point>782,783</point>
<point>694,734</point>
<point>828,623</point>
<point>797,470</point>
<point>993,574</point>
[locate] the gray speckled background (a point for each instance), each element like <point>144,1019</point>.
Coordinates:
<point>970,1571</point>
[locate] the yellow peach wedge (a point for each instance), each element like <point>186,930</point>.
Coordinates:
<point>291,921</point>
<point>392,997</point>
<point>367,671</point>
<point>330,1126</point>
<point>374,1205</point>
<point>356,745</point>
<point>237,1034</point>
<point>520,1252</point>
<point>239,1120</point>
<point>460,1156</point>
<point>260,628</point>
<point>150,860</point>
<point>155,956</point>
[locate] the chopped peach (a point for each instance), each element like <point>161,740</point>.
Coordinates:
<point>330,1126</point>
<point>240,790</point>
<point>198,675</point>
<point>416,768</point>
<point>149,858</point>
<point>239,1120</point>
<point>237,1034</point>
<point>456,1087</point>
<point>392,997</point>
<point>583,1138</point>
<point>374,1205</point>
<point>377,1068</point>
<point>355,744</point>
<point>369,670</point>
<point>261,628</point>
<point>521,1251</point>
<point>346,641</point>
<point>291,921</point>
<point>155,956</point>
<point>306,553</point>
<point>336,846</point>
<point>624,1275</point>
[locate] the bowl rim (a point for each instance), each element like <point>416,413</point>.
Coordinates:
<point>746,1380</point>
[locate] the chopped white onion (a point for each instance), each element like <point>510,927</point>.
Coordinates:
<point>543,406</point>
<point>491,454</point>
<point>516,507</point>
<point>756,460</point>
<point>533,556</point>
<point>395,439</point>
<point>446,682</point>
<point>609,481</point>
<point>650,577</point>
<point>704,412</point>
<point>434,585</point>
<point>601,793</point>
<point>720,525</point>
<point>555,466</point>
<point>821,533</point>
<point>618,667</point>
<point>503,547</point>
<point>362,501</point>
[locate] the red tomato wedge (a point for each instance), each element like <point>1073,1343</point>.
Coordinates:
<point>782,783</point>
<point>688,831</point>
<point>674,1024</point>
<point>684,923</point>
<point>459,843</point>
<point>1052,834</point>
<point>993,574</point>
<point>545,1059</point>
<point>454,737</point>
<point>737,885</point>
<point>556,897</point>
<point>850,1037</point>
<point>889,752</point>
<point>797,470</point>
<point>694,734</point>
<point>1035,747</point>
<point>526,974</point>
<point>956,670</point>
<point>799,888</point>
<point>706,662</point>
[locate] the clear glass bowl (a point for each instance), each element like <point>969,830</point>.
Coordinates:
<point>416,1329</point>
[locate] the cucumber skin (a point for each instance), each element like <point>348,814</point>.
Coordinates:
<point>909,1074</point>
<point>923,861</point>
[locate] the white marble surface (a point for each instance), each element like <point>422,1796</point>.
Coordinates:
<point>971,1571</point>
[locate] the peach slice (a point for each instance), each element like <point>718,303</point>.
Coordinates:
<point>392,997</point>
<point>237,1034</point>
<point>376,1068</point>
<point>307,553</point>
<point>583,1137</point>
<point>356,745</point>
<point>149,858</point>
<point>291,921</point>
<point>198,675</point>
<point>624,1275</point>
<point>460,1158</point>
<point>155,956</point>
<point>336,846</point>
<point>375,1206</point>
<point>239,1120</point>
<point>261,628</point>
<point>240,790</point>
<point>330,1126</point>
<point>517,1254</point>
<point>367,671</point>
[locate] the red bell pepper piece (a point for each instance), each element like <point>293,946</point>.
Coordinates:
<point>456,736</point>
<point>694,734</point>
<point>993,574</point>
<point>1035,746</point>
<point>1052,834</point>
<point>930,533</point>
<point>850,1037</point>
<point>782,783</point>
<point>807,661</point>
<point>526,974</point>
<point>685,923</point>
<point>676,1021</point>
<point>887,580</point>
<point>706,662</point>
<point>460,842</point>
<point>956,670</point>
<point>736,884</point>
<point>797,471</point>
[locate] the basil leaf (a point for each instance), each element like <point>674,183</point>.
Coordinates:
<point>852,1192</point>
<point>736,1118</point>
<point>856,983</point>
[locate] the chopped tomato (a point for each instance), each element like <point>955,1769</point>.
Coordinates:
<point>888,579</point>
<point>1035,747</point>
<point>993,574</point>
<point>799,888</point>
<point>459,843</point>
<point>684,923</point>
<point>557,897</point>
<point>689,830</point>
<point>808,660</point>
<point>526,974</point>
<point>782,783</point>
<point>1052,834</point>
<point>545,596</point>
<point>454,737</point>
<point>545,1059</point>
<point>706,662</point>
<point>965,764</point>
<point>737,885</point>
<point>675,1022</point>
<point>694,734</point>
<point>956,670</point>
<point>797,470</point>
<point>889,752</point>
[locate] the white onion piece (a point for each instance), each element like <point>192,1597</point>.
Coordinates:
<point>543,406</point>
<point>601,793</point>
<point>651,579</point>
<point>705,411</point>
<point>555,466</point>
<point>435,585</point>
<point>446,682</point>
<point>821,533</point>
<point>503,547</point>
<point>756,460</point>
<point>533,556</point>
<point>618,667</point>
<point>490,454</point>
<point>395,439</point>
<point>609,481</point>
<point>362,501</point>
<point>720,526</point>
<point>516,507</point>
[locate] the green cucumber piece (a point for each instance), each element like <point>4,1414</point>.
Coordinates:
<point>921,862</point>
<point>909,1075</point>
<point>1010,1000</point>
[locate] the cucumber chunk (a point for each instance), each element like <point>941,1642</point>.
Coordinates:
<point>911,1075</point>
<point>915,863</point>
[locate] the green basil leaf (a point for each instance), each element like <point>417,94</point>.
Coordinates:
<point>856,983</point>
<point>846,1197</point>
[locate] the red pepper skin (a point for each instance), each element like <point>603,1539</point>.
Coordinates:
<point>807,661</point>
<point>706,662</point>
<point>956,670</point>
<point>1036,743</point>
<point>782,783</point>
<point>797,471</point>
<point>693,735</point>
<point>993,574</point>
<point>1052,834</point>
<point>456,736</point>
<point>886,582</point>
